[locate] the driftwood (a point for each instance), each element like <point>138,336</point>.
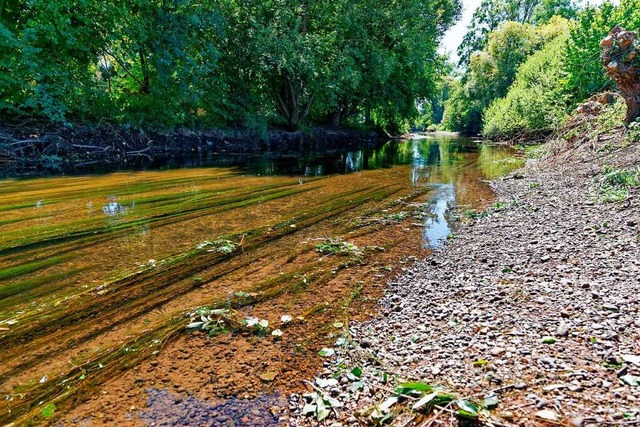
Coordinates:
<point>621,58</point>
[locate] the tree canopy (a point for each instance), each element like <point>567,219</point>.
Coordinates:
<point>168,63</point>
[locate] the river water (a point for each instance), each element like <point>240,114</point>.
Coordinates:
<point>96,271</point>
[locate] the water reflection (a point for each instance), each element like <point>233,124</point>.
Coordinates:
<point>436,224</point>
<point>113,207</point>
<point>454,166</point>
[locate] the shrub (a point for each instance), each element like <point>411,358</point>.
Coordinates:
<point>537,100</point>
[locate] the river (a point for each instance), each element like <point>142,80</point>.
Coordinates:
<point>98,271</point>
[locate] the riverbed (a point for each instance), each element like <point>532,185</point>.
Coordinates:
<point>97,272</point>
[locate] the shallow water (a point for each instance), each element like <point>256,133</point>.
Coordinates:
<point>91,263</point>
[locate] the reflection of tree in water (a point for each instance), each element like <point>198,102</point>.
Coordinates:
<point>114,208</point>
<point>353,161</point>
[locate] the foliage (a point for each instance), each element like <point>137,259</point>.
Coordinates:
<point>613,184</point>
<point>488,17</point>
<point>212,321</point>
<point>429,400</point>
<point>221,62</point>
<point>585,75</point>
<point>492,71</point>
<point>221,321</point>
<point>220,245</point>
<point>536,101</point>
<point>547,9</point>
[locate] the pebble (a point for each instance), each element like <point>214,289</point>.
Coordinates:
<point>563,330</point>
<point>477,311</point>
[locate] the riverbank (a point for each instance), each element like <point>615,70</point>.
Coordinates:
<point>41,148</point>
<point>533,306</point>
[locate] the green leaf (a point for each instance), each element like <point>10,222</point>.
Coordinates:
<point>417,386</point>
<point>322,411</point>
<point>490,402</point>
<point>357,372</point>
<point>426,399</point>
<point>444,399</point>
<point>467,409</point>
<point>47,411</point>
<point>326,352</point>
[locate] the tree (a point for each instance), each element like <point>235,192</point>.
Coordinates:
<point>621,58</point>
<point>583,70</point>
<point>487,18</point>
<point>537,101</point>
<point>166,63</point>
<point>547,9</point>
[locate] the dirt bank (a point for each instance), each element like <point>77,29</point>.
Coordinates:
<point>533,306</point>
<point>32,148</point>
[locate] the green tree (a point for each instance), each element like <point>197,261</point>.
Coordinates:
<point>167,63</point>
<point>547,9</point>
<point>537,101</point>
<point>487,18</point>
<point>492,71</point>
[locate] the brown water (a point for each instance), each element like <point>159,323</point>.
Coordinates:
<point>96,272</point>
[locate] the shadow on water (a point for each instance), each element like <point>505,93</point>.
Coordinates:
<point>169,409</point>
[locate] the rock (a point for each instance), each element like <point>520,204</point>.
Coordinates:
<point>563,330</point>
<point>548,415</point>
<point>577,422</point>
<point>268,376</point>
<point>498,351</point>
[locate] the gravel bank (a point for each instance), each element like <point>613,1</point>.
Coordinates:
<point>537,300</point>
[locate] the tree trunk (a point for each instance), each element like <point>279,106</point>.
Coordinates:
<point>335,118</point>
<point>367,117</point>
<point>290,103</point>
<point>145,87</point>
<point>621,58</point>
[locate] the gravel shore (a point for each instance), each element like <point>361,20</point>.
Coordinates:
<point>536,301</point>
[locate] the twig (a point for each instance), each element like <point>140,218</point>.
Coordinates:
<point>392,391</point>
<point>495,390</point>
<point>436,416</point>
<point>524,405</point>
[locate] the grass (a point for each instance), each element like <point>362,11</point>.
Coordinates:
<point>613,185</point>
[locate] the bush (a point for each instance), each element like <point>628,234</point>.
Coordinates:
<point>537,100</point>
